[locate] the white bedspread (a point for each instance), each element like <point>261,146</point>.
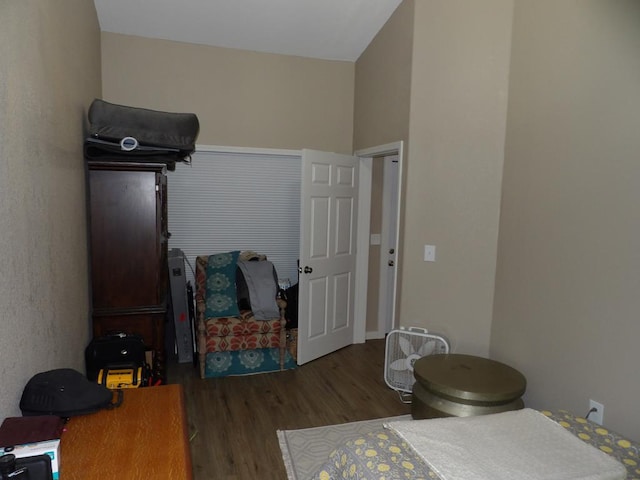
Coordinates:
<point>518,445</point>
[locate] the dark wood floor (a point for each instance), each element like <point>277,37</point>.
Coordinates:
<point>233,420</point>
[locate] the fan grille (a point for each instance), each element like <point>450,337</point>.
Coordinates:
<point>403,348</point>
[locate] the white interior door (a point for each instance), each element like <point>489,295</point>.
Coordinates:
<point>389,246</point>
<point>328,219</point>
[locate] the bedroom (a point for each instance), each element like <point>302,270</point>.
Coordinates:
<point>542,251</point>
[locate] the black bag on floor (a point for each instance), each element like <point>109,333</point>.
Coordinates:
<point>113,351</point>
<point>66,393</point>
<point>291,311</point>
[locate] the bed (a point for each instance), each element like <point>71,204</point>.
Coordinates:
<point>391,453</point>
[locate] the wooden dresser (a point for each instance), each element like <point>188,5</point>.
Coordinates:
<point>145,438</point>
<point>128,248</point>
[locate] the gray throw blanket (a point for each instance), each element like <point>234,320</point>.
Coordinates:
<point>262,284</point>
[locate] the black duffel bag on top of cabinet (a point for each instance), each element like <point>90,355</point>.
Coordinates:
<point>113,351</point>
<point>133,134</point>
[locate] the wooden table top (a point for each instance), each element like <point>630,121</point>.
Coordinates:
<point>145,438</point>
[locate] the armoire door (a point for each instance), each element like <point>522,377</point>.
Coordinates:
<point>128,237</point>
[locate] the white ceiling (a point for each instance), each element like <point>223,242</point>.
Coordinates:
<point>327,29</point>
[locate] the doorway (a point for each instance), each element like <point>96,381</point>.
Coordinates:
<point>340,322</point>
<point>379,254</point>
<point>389,244</point>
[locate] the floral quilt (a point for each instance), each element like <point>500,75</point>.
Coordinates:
<point>382,455</point>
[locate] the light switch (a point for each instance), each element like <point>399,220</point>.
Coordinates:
<point>375,239</point>
<point>429,253</point>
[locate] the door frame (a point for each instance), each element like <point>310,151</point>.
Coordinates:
<point>362,257</point>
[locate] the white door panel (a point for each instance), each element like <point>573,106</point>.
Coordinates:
<point>317,312</point>
<point>327,253</point>
<point>319,247</point>
<point>342,303</point>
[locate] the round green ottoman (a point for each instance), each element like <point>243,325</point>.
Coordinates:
<point>455,385</point>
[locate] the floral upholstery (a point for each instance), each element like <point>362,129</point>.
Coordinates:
<point>242,332</point>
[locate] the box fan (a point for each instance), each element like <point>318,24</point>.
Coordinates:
<point>405,346</point>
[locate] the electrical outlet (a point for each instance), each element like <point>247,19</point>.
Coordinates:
<point>429,253</point>
<point>597,415</point>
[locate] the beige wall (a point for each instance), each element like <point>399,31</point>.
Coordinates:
<point>241,98</point>
<point>568,277</point>
<point>437,75</point>
<point>454,168</point>
<point>381,115</point>
<point>50,73</point>
<point>383,83</point>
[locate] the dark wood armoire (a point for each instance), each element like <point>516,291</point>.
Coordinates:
<point>128,248</point>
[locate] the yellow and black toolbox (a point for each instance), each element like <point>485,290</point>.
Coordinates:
<point>121,377</point>
<point>117,360</point>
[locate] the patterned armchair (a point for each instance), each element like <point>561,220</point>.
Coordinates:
<point>234,332</point>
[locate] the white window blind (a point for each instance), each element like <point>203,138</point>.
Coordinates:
<point>241,200</point>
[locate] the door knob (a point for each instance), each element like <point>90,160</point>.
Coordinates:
<point>391,263</point>
<point>308,269</point>
<point>391,251</point>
